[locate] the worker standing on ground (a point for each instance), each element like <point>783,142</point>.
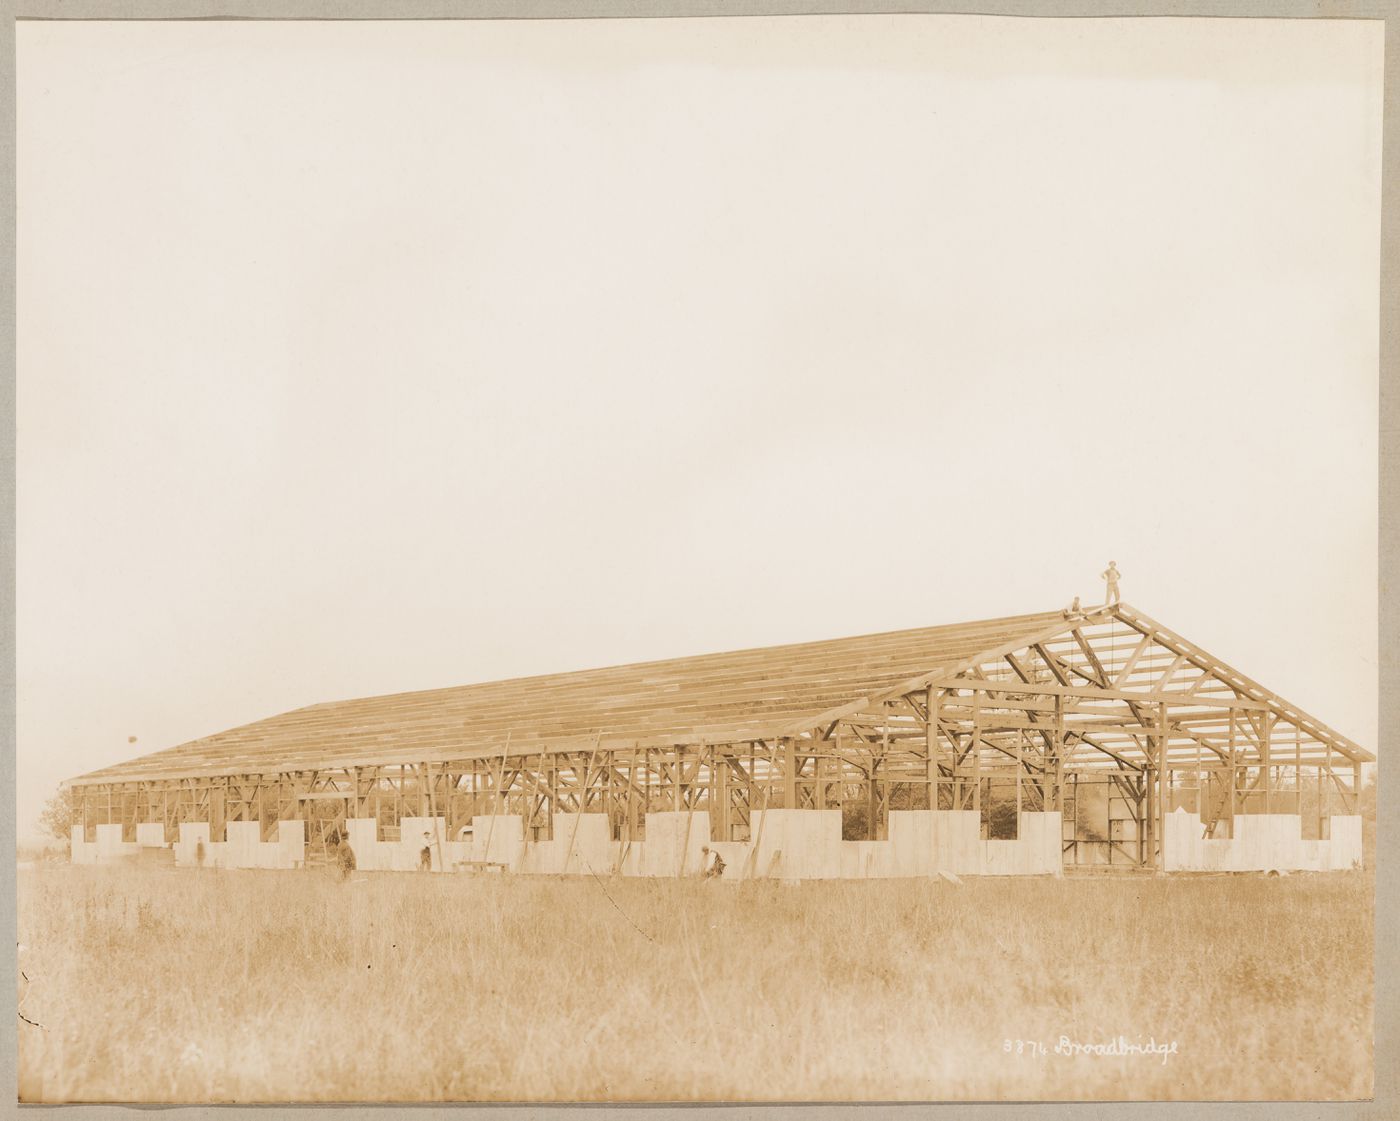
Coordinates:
<point>425,854</point>
<point>714,869</point>
<point>1111,574</point>
<point>345,857</point>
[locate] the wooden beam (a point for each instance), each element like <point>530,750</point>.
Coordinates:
<point>1042,688</point>
<point>1122,675</point>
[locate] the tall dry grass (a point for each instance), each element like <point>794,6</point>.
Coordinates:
<point>173,985</point>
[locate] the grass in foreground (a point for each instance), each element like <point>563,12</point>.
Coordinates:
<point>169,985</point>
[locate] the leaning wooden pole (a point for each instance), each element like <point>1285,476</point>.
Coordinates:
<point>496,798</point>
<point>626,846</point>
<point>690,813</point>
<point>757,842</point>
<point>582,801</point>
<point>432,810</point>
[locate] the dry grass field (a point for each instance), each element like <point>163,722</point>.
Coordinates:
<point>171,985</point>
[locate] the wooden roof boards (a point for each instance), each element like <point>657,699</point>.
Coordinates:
<point>712,698</point>
<point>727,696</point>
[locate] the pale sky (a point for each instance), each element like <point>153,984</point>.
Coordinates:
<point>360,358</point>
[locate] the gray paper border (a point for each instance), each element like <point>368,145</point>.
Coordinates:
<point>1386,1104</point>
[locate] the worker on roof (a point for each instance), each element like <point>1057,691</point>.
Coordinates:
<point>1073,609</point>
<point>1111,574</point>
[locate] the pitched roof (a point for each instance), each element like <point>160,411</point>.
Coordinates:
<point>713,697</point>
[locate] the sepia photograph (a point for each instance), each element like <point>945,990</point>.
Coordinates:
<point>768,559</point>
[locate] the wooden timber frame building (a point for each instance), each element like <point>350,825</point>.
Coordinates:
<point>1049,712</point>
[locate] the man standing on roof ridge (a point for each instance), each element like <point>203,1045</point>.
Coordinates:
<point>1111,574</point>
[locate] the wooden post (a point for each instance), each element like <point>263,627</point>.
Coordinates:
<point>1074,816</point>
<point>632,796</point>
<point>1142,815</point>
<point>1327,789</point>
<point>552,790</point>
<point>606,800</point>
<point>721,796</point>
<point>976,750</point>
<point>1061,749</point>
<point>872,807</point>
<point>646,787</point>
<point>790,773</point>
<point>1234,778</point>
<point>216,814</point>
<point>1317,774</point>
<point>432,813</point>
<point>1020,764</point>
<point>1266,756</point>
<point>1162,787</point>
<point>1147,807</point>
<point>1200,785</point>
<point>931,745</point>
<point>1298,770</point>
